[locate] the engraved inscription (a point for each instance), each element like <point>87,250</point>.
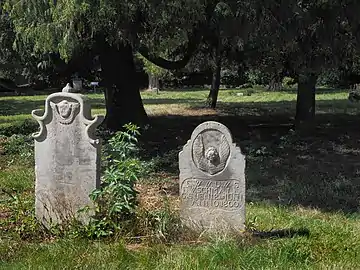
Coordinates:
<point>210,151</point>
<point>215,194</point>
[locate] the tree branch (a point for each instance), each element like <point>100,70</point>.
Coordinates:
<point>194,40</point>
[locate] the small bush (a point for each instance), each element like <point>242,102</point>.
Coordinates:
<point>115,201</point>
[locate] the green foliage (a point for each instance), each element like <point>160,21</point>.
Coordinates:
<point>21,219</point>
<point>19,149</point>
<point>151,68</point>
<point>332,244</point>
<point>66,27</point>
<point>25,127</point>
<point>116,200</point>
<point>288,82</point>
<point>19,145</point>
<point>255,77</point>
<point>229,77</point>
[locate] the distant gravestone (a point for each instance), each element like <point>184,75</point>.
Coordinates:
<point>212,180</point>
<point>67,158</point>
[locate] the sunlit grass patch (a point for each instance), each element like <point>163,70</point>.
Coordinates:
<point>174,102</point>
<point>332,241</point>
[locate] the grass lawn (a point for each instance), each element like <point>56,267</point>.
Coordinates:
<point>15,109</point>
<point>304,186</point>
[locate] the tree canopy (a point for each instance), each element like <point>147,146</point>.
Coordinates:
<point>298,38</point>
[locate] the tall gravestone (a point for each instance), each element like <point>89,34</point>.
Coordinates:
<point>67,158</point>
<point>212,180</point>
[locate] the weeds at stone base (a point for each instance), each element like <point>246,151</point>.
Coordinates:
<point>116,211</point>
<point>161,225</point>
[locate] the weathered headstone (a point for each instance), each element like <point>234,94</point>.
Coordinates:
<point>67,158</point>
<point>212,180</point>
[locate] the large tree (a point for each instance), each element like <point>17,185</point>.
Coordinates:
<point>113,31</point>
<point>301,38</point>
<point>231,24</point>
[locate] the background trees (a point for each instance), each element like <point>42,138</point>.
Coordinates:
<point>299,39</point>
<point>112,30</point>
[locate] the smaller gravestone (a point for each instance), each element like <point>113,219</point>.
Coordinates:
<point>212,180</point>
<point>77,84</point>
<point>67,158</point>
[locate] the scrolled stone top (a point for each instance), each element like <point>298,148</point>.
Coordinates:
<point>65,104</point>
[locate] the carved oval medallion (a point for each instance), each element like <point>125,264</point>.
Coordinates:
<point>210,151</point>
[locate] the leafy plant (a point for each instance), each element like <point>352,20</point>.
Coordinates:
<point>21,216</point>
<point>19,146</point>
<point>115,201</point>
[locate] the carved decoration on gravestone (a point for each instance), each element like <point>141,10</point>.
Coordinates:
<point>67,158</point>
<point>212,180</point>
<point>210,151</point>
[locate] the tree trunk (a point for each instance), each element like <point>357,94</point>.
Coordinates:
<point>122,96</point>
<point>215,84</point>
<point>275,84</point>
<point>305,104</point>
<point>153,82</point>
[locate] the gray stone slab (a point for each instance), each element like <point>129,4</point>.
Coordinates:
<point>212,180</point>
<point>67,158</point>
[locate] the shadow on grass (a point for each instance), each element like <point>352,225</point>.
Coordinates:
<point>190,89</point>
<point>170,101</point>
<point>284,233</point>
<point>18,106</point>
<point>97,103</point>
<point>318,90</point>
<point>319,169</point>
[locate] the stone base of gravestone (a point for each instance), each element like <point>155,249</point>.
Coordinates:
<point>67,158</point>
<point>212,180</point>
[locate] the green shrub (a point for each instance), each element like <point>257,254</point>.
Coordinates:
<point>116,199</point>
<point>246,85</point>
